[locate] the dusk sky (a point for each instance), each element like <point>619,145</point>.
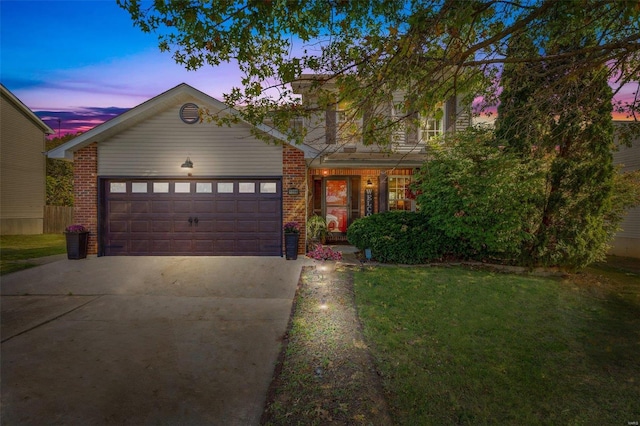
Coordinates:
<point>84,62</point>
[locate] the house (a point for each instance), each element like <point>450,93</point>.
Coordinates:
<point>22,167</point>
<point>157,181</point>
<point>348,178</point>
<point>627,241</point>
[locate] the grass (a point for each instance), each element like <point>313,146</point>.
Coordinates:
<point>324,374</point>
<point>459,346</point>
<point>16,249</point>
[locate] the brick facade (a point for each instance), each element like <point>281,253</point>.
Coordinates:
<point>293,176</point>
<point>85,191</point>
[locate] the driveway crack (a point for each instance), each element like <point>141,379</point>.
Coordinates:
<point>50,319</point>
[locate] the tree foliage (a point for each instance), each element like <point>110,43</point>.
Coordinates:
<point>571,126</point>
<point>482,196</point>
<point>428,49</point>
<point>59,175</point>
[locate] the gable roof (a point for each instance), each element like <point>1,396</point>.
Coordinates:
<point>6,93</point>
<point>182,92</point>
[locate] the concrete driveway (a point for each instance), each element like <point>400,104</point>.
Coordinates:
<point>143,340</point>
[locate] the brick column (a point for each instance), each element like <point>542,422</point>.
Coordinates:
<point>293,176</point>
<point>85,191</point>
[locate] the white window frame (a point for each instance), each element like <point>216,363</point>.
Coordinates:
<point>430,128</point>
<point>405,200</point>
<point>346,125</point>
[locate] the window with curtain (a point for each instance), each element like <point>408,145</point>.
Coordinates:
<point>400,195</point>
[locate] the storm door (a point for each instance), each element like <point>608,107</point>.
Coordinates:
<point>340,201</point>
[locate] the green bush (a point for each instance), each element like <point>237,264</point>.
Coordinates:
<point>482,196</point>
<point>399,237</point>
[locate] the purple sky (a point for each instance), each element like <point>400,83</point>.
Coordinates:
<point>83,62</point>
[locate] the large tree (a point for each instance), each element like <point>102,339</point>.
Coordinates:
<point>430,49</point>
<point>570,126</point>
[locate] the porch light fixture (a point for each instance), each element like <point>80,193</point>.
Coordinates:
<point>188,164</point>
<point>369,183</point>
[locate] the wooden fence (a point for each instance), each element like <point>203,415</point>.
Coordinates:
<point>57,218</point>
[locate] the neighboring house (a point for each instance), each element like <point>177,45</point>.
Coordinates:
<point>133,194</point>
<point>627,241</point>
<point>22,167</point>
<point>349,179</point>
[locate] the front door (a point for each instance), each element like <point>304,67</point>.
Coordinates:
<point>337,199</point>
<point>337,204</point>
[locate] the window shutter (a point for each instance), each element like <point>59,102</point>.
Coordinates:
<point>383,193</point>
<point>331,126</point>
<point>450,114</point>
<point>412,129</point>
<point>366,132</point>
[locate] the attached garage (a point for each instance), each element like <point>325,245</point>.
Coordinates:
<point>134,193</point>
<point>212,217</point>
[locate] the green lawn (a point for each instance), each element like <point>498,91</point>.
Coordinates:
<point>456,346</point>
<point>15,249</point>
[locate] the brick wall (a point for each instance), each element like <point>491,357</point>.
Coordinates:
<point>293,176</point>
<point>85,191</point>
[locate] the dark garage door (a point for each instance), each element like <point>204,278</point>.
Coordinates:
<point>221,217</point>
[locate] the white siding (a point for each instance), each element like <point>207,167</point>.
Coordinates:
<point>627,241</point>
<point>159,145</point>
<point>316,129</point>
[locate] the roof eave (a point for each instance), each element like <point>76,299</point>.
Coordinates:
<point>26,110</point>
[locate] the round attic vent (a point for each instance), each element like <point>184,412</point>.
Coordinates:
<point>189,113</point>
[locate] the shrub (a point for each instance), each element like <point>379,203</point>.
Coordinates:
<point>317,228</point>
<point>399,237</point>
<point>321,252</point>
<point>482,196</point>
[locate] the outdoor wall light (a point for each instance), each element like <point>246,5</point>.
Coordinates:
<point>369,183</point>
<point>188,164</point>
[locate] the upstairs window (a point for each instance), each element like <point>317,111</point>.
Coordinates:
<point>344,125</point>
<point>430,128</point>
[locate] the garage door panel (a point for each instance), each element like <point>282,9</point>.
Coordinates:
<point>161,246</point>
<point>204,226</point>
<point>139,226</point>
<point>203,206</point>
<point>229,223</point>
<point>181,225</point>
<point>251,246</point>
<point>247,226</point>
<point>118,207</point>
<point>269,206</point>
<point>118,226</point>
<point>268,226</point>
<point>119,246</point>
<point>161,226</point>
<point>139,206</point>
<point>181,246</point>
<point>161,206</point>
<point>140,246</point>
<point>225,206</point>
<point>182,207</point>
<point>224,245</point>
<point>247,206</point>
<point>225,226</point>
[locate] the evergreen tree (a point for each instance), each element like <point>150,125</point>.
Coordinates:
<point>521,119</point>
